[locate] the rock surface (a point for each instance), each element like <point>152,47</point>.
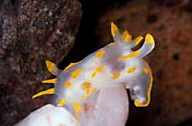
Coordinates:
<point>171,61</point>
<point>30,33</point>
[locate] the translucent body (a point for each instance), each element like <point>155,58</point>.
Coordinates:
<point>111,66</point>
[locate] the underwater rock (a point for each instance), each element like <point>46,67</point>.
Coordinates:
<point>171,61</point>
<point>30,33</point>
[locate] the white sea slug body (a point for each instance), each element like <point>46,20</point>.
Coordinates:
<point>114,64</point>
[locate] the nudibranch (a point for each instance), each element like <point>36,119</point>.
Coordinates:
<point>114,64</point>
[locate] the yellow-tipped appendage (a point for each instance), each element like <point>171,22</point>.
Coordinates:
<point>149,39</point>
<point>48,91</point>
<point>50,81</point>
<point>126,36</point>
<point>138,40</point>
<point>114,29</point>
<point>50,66</point>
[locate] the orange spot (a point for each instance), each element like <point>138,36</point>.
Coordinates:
<point>100,53</point>
<point>131,70</point>
<point>94,90</point>
<point>116,75</point>
<point>145,70</point>
<point>131,55</point>
<point>99,69</point>
<point>77,109</point>
<point>67,84</point>
<point>86,85</point>
<point>75,73</point>
<point>84,96</point>
<point>62,102</point>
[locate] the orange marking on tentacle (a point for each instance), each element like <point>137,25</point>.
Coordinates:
<point>49,81</point>
<point>126,36</point>
<point>149,38</point>
<point>138,39</point>
<point>75,73</point>
<point>49,91</point>
<point>50,66</point>
<point>114,29</point>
